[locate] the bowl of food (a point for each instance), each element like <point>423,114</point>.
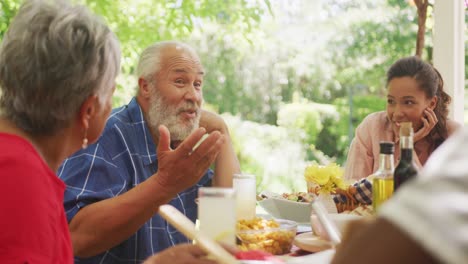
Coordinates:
<point>294,207</point>
<point>274,236</point>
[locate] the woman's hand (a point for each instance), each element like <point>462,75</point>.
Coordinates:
<point>429,120</point>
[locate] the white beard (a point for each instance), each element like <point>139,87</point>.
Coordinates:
<point>161,113</point>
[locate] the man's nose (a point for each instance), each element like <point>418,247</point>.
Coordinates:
<point>193,94</point>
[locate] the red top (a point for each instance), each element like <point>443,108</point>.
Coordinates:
<point>33,227</point>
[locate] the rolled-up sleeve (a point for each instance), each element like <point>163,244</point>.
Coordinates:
<point>360,160</point>
<point>90,176</point>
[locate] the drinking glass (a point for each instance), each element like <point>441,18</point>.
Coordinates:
<point>217,213</point>
<point>246,195</point>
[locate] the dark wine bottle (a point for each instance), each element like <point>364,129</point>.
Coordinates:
<point>405,170</point>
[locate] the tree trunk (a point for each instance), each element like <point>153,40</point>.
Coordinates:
<point>422,14</point>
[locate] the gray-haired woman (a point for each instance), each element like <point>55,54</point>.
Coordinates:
<point>58,65</point>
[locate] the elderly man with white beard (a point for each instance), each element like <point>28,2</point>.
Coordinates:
<point>103,178</point>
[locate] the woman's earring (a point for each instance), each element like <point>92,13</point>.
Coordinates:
<point>85,140</point>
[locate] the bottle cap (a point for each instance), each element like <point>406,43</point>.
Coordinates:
<point>387,147</point>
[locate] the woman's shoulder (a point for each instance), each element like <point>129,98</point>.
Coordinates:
<point>374,127</point>
<point>380,116</point>
<point>376,120</point>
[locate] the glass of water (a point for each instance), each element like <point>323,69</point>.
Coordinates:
<point>217,213</point>
<point>246,195</point>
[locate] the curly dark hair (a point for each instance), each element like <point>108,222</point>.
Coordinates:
<point>430,81</point>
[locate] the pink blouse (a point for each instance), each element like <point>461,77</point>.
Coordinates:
<point>363,155</point>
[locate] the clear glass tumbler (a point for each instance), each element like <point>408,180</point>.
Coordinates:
<point>217,213</point>
<point>246,195</point>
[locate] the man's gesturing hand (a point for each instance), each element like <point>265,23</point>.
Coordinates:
<point>183,167</point>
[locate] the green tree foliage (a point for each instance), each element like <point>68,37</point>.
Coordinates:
<point>138,23</point>
<point>324,51</point>
<point>321,50</point>
<point>269,152</point>
<point>293,66</point>
<point>8,9</point>
<point>334,139</point>
<point>374,46</point>
<point>305,121</point>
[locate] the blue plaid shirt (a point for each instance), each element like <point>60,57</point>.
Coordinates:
<point>123,157</point>
<point>363,194</point>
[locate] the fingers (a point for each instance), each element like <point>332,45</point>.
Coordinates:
<point>164,139</point>
<point>183,167</point>
<point>193,250</point>
<point>426,128</point>
<point>431,116</point>
<point>208,149</point>
<point>186,147</point>
<point>429,120</point>
<point>193,254</point>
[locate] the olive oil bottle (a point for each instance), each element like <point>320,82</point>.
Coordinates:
<point>382,179</point>
<point>405,169</point>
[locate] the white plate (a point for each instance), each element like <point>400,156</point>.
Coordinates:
<point>310,242</point>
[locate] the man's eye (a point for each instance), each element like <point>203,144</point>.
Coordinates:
<point>390,101</point>
<point>197,84</point>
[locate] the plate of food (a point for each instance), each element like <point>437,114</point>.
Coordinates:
<point>290,206</point>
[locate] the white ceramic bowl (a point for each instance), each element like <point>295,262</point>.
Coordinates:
<point>286,209</point>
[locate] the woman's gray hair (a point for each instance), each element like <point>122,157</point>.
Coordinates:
<point>150,60</point>
<point>53,57</point>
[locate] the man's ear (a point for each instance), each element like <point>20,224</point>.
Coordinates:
<point>88,109</point>
<point>144,88</point>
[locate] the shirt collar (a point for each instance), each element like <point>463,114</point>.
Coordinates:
<point>136,114</point>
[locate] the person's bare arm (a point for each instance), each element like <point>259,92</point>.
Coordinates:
<point>379,242</point>
<point>226,164</point>
<point>105,224</point>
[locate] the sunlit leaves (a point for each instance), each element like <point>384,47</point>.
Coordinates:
<point>8,9</point>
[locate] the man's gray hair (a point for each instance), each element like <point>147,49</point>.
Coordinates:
<point>150,59</point>
<point>54,56</point>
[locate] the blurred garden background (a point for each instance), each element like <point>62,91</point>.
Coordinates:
<point>292,78</point>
